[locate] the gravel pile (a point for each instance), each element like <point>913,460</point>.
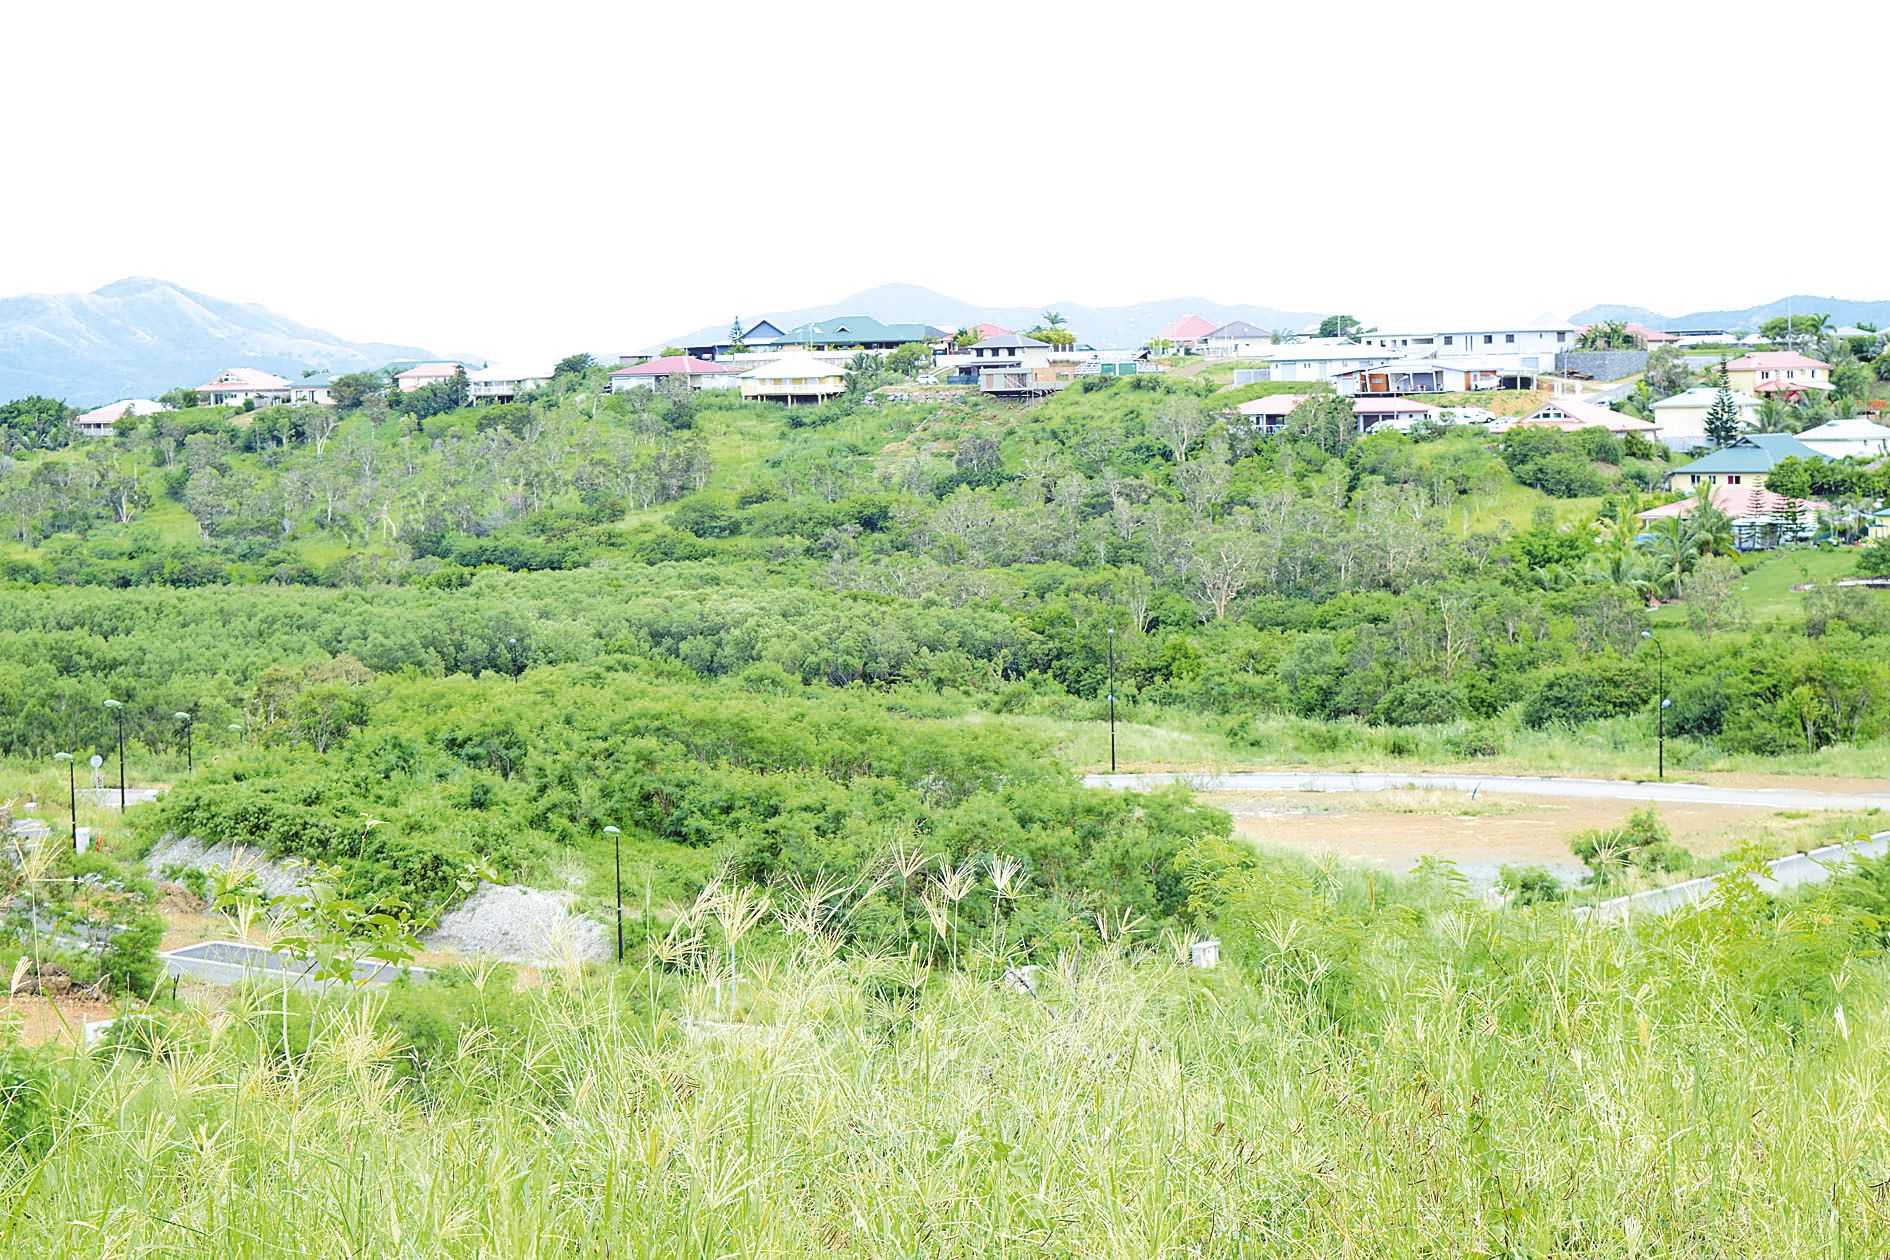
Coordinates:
<point>519,924</point>
<point>275,878</point>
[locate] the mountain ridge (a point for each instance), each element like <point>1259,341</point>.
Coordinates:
<point>140,336</point>
<point>1843,311</point>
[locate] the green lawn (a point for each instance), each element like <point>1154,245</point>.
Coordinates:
<point>1767,590</point>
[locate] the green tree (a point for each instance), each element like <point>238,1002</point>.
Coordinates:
<point>1342,326</point>
<point>735,341</point>
<point>180,398</point>
<point>1667,372</point>
<point>1722,419</point>
<point>910,359</point>
<point>672,352</point>
<point>35,423</point>
<point>574,365</point>
<point>351,389</point>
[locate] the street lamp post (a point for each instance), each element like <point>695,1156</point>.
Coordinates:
<point>190,757</point>
<point>72,792</point>
<point>118,710</point>
<point>616,839</point>
<point>1660,704</point>
<point>512,656</point>
<point>1112,700</point>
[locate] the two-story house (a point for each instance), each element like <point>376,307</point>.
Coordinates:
<point>1781,373</point>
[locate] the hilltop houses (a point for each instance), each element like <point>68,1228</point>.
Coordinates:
<point>503,384</point>
<point>1745,463</point>
<point>1857,437</point>
<point>423,374</point>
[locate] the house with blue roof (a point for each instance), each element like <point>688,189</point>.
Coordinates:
<point>1746,462</point>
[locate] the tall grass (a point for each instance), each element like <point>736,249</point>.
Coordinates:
<point>1376,1071</point>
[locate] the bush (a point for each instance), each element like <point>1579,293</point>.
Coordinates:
<point>1530,885</point>
<point>1874,560</point>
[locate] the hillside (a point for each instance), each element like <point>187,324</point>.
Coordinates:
<point>139,337</point>
<point>1108,326</point>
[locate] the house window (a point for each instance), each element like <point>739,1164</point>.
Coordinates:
<point>1733,480</point>
<point>1510,338</point>
<point>1488,339</point>
<point>1450,341</point>
<point>1561,336</point>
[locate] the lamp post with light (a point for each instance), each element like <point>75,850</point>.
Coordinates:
<point>1112,700</point>
<point>1660,706</point>
<point>72,792</point>
<point>118,711</point>
<point>190,757</point>
<point>616,839</point>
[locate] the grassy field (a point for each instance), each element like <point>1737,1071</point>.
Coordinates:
<point>1377,1069</point>
<point>1766,592</point>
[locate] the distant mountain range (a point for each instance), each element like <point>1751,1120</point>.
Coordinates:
<point>1109,326</point>
<point>137,338</point>
<point>1843,312</point>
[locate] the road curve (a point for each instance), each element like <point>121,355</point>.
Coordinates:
<point>1499,784</point>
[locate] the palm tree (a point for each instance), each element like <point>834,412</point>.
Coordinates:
<point>1775,416</point>
<point>1052,319</point>
<point>1674,550</point>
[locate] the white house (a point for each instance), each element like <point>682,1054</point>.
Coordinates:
<point>1680,421</point>
<point>1321,359</point>
<point>102,422</point>
<point>232,387</point>
<point>1570,414</point>
<point>1535,346</point>
<point>505,382</point>
<point>1433,374</point>
<point>1238,340</point>
<point>1857,436</point>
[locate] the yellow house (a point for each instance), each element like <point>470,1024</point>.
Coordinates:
<point>796,379</point>
<point>1780,373</point>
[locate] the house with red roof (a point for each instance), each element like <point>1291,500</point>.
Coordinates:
<point>681,369</point>
<point>1187,335</point>
<point>1760,518</point>
<point>1783,374</point>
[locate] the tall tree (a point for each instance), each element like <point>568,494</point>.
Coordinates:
<point>1722,419</point>
<point>1341,326</point>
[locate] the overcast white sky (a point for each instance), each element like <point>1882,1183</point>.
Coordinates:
<point>521,179</point>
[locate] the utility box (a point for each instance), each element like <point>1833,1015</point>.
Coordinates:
<point>81,839</point>
<point>1204,954</point>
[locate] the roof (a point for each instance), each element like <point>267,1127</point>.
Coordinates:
<point>1847,429</point>
<point>856,330</point>
<point>318,380</point>
<point>791,367</point>
<point>1735,501</point>
<point>1703,396</point>
<point>671,365</point>
<point>987,331</point>
<point>1777,386</point>
<point>1242,329</point>
<point>1271,405</point>
<point>1385,406</point>
<point>1774,360</point>
<point>1187,328</point>
<point>428,371</point>
<point>1011,341</point>
<point>245,378</point>
<point>112,412</point>
<point>1310,350</point>
<point>1753,453</point>
<point>1585,415</point>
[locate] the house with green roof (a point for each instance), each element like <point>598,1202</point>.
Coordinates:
<point>1746,462</point>
<point>857,332</point>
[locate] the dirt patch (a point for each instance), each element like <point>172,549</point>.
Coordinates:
<point>1393,829</point>
<point>38,1020</point>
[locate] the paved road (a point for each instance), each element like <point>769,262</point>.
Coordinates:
<point>1501,784</point>
<point>109,796</point>
<point>1787,872</point>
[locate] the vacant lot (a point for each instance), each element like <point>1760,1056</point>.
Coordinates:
<point>1393,830</point>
